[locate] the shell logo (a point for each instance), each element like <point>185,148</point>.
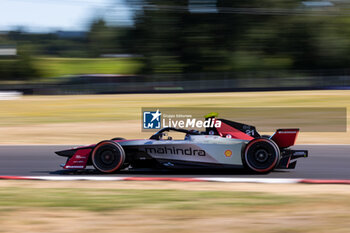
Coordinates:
<point>228,153</point>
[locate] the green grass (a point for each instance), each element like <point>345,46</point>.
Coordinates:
<point>85,119</point>
<point>28,209</point>
<point>57,67</point>
<point>109,200</point>
<point>91,108</point>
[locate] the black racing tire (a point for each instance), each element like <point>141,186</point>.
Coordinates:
<point>108,156</point>
<point>261,155</point>
<point>118,138</point>
<point>266,136</point>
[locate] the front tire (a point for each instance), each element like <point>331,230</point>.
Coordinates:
<point>108,156</point>
<point>118,138</point>
<point>261,155</point>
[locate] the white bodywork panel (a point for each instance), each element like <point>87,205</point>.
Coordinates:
<point>195,148</point>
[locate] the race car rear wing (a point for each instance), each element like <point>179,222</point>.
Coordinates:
<point>285,137</point>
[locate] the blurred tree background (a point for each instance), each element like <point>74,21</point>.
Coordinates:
<point>197,36</point>
<point>213,36</point>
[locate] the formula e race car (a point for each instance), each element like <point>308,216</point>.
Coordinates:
<point>232,145</point>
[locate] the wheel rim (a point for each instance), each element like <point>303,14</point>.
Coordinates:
<point>107,157</point>
<point>261,155</point>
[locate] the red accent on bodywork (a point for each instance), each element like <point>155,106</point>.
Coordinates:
<point>226,129</point>
<point>285,137</point>
<point>288,161</point>
<point>78,160</point>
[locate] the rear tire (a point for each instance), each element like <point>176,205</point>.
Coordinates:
<point>108,156</point>
<point>261,155</point>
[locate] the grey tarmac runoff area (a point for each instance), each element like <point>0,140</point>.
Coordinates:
<point>324,162</point>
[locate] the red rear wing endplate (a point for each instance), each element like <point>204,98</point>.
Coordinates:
<point>285,137</point>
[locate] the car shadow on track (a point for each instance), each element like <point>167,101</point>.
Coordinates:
<point>152,172</point>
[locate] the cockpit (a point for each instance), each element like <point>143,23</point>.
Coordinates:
<point>163,133</point>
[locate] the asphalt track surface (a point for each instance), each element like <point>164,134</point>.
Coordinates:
<point>324,162</point>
